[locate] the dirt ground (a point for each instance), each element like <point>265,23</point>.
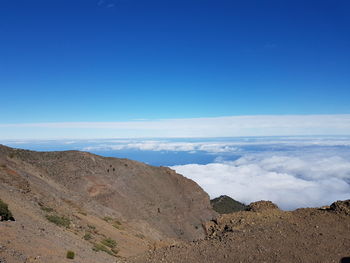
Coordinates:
<point>267,234</point>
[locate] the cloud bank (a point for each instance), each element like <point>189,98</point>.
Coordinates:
<point>157,145</point>
<point>264,125</point>
<point>309,180</point>
<point>231,145</point>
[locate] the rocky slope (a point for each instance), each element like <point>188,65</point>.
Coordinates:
<point>267,234</point>
<point>76,201</point>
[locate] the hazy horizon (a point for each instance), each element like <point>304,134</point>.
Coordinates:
<point>228,126</point>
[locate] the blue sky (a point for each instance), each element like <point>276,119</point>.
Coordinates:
<point>124,60</point>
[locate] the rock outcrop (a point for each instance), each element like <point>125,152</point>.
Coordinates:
<point>261,206</point>
<point>342,207</point>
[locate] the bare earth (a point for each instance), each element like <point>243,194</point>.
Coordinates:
<point>267,234</point>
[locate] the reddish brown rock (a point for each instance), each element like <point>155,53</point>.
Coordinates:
<point>341,207</point>
<point>261,206</point>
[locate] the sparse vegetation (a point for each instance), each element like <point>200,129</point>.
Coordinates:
<point>87,236</point>
<point>59,220</point>
<point>70,254</point>
<point>107,218</point>
<point>108,246</point>
<point>5,213</point>
<point>101,247</point>
<point>116,224</point>
<point>47,209</point>
<point>109,242</point>
<point>115,251</point>
<point>91,227</point>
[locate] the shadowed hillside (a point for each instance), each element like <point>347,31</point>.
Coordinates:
<point>226,205</point>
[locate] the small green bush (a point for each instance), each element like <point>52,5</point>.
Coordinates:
<point>70,254</point>
<point>91,226</point>
<point>5,213</point>
<point>109,242</point>
<point>101,247</point>
<point>107,218</point>
<point>117,226</point>
<point>117,222</point>
<point>59,220</point>
<point>46,209</point>
<point>87,236</point>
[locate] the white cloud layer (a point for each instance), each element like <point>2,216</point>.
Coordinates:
<point>212,146</point>
<point>262,125</point>
<point>151,145</point>
<point>309,180</point>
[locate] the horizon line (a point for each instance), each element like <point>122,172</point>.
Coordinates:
<point>203,127</point>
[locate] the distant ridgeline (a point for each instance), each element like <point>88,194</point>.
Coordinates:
<point>226,205</point>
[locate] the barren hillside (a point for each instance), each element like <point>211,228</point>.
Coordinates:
<point>76,201</point>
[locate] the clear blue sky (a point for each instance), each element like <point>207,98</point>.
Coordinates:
<point>119,60</point>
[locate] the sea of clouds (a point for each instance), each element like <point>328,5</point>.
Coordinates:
<point>307,180</point>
